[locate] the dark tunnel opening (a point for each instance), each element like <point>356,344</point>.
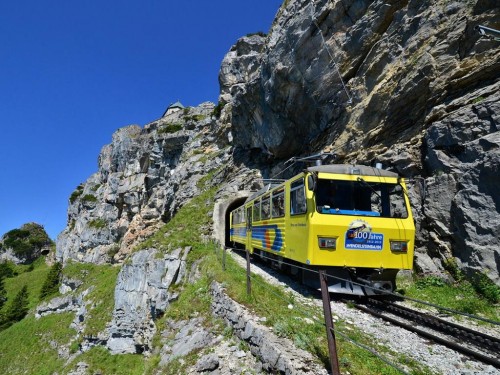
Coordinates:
<point>233,205</point>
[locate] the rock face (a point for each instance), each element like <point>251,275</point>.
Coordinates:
<point>410,84</point>
<point>144,176</point>
<point>141,296</point>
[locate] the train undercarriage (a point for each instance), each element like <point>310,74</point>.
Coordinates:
<point>341,280</point>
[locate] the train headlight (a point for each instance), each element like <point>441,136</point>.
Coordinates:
<point>399,246</point>
<point>327,243</point>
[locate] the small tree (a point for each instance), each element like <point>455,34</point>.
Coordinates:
<point>6,270</point>
<point>19,306</point>
<point>51,283</point>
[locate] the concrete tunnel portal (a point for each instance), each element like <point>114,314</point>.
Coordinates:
<point>222,209</point>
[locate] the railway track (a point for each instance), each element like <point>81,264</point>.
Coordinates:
<point>482,348</point>
<point>478,345</point>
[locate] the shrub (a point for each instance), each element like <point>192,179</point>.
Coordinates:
<point>170,128</point>
<point>89,198</point>
<point>6,270</point>
<point>113,250</point>
<point>217,109</point>
<point>74,195</point>
<point>97,223</point>
<point>450,264</point>
<point>487,288</point>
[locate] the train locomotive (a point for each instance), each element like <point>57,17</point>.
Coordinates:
<point>352,221</point>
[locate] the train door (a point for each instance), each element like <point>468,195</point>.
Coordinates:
<point>249,229</point>
<point>296,229</point>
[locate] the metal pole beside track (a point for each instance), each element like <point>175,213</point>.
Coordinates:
<point>249,285</point>
<point>330,333</point>
<point>224,258</point>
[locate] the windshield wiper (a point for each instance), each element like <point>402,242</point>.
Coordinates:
<point>359,179</point>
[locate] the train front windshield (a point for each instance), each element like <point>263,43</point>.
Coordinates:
<point>339,197</point>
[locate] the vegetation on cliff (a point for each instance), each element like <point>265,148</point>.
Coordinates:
<point>26,242</point>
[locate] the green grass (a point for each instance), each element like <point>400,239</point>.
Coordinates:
<point>100,361</point>
<point>30,346</point>
<point>101,279</point>
<point>187,227</point>
<point>272,303</point>
<point>460,296</point>
<point>208,177</point>
<point>31,275</point>
<point>196,118</point>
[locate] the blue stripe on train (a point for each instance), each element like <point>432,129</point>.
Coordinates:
<point>242,232</point>
<point>259,233</point>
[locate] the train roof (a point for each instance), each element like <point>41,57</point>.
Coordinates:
<point>350,169</point>
<point>262,191</point>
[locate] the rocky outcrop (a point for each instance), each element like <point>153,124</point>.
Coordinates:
<point>25,244</point>
<point>141,296</point>
<point>144,176</point>
<point>277,354</point>
<point>410,84</point>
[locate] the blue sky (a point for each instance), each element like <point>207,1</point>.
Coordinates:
<point>72,72</point>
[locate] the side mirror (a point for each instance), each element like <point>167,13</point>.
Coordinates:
<point>311,182</point>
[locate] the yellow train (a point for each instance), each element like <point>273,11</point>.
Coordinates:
<point>353,221</point>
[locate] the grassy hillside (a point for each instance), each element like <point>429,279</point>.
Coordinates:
<point>50,345</point>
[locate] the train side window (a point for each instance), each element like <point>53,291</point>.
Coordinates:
<point>266,208</point>
<point>278,203</point>
<point>243,216</point>
<point>256,210</point>
<point>236,216</point>
<point>298,197</point>
<point>249,218</point>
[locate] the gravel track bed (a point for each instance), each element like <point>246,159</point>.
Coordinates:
<point>438,358</point>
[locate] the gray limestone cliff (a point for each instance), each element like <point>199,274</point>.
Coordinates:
<point>410,84</point>
<point>143,177</point>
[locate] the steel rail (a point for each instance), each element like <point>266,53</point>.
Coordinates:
<point>437,339</point>
<point>474,337</point>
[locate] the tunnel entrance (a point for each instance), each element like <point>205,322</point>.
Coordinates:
<point>222,209</point>
<point>237,203</point>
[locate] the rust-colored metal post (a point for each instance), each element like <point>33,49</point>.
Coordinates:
<point>249,285</point>
<point>330,333</point>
